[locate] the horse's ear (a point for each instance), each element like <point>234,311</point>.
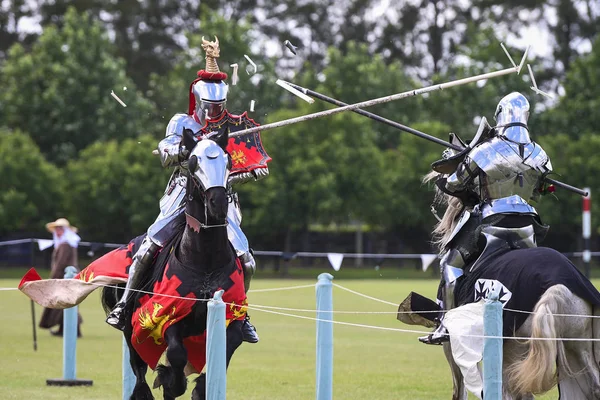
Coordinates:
<point>193,164</point>
<point>222,139</point>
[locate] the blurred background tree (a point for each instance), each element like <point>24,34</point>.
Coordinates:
<point>59,92</point>
<point>60,59</point>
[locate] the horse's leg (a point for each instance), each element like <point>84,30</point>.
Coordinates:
<point>141,390</point>
<point>234,340</point>
<point>578,374</point>
<point>514,351</point>
<point>459,390</point>
<point>172,378</point>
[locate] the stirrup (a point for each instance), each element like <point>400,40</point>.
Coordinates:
<point>249,332</point>
<point>116,318</point>
<point>437,337</point>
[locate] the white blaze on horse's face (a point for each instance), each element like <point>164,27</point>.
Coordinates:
<point>212,168</point>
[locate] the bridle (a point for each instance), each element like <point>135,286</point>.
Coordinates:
<point>192,185</point>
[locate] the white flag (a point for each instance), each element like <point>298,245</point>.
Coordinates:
<point>426,260</point>
<point>335,259</point>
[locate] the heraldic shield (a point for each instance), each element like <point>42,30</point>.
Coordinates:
<point>247,152</point>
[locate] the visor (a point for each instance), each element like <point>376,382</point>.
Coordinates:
<point>211,91</point>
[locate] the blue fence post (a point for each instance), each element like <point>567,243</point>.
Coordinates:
<point>216,369</point>
<point>129,378</point>
<point>324,337</point>
<point>69,345</point>
<point>492,347</point>
<point>70,335</point>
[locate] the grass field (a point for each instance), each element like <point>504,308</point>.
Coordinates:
<point>368,363</point>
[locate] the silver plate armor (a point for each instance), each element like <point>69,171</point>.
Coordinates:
<point>210,99</point>
<point>169,149</point>
<point>506,205</point>
<point>499,168</point>
<point>511,114</point>
<point>234,232</point>
<point>212,163</point>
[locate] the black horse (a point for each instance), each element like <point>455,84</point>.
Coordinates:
<point>203,261</point>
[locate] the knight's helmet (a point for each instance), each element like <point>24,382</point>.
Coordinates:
<point>208,93</point>
<point>511,117</point>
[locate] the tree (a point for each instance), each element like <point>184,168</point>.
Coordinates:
<point>323,171</point>
<point>407,199</point>
<point>577,111</point>
<point>12,13</point>
<point>577,162</point>
<point>116,188</point>
<point>170,92</point>
<point>147,33</point>
<point>571,24</point>
<point>60,91</point>
<point>356,76</point>
<point>31,189</point>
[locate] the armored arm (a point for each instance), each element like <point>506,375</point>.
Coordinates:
<point>464,175</point>
<point>172,149</point>
<point>254,175</point>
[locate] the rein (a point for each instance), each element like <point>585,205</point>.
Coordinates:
<point>197,225</point>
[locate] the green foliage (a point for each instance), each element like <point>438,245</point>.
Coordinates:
<point>116,188</point>
<point>408,196</point>
<point>60,91</point>
<point>31,189</point>
<point>577,162</point>
<point>170,92</point>
<point>356,76</point>
<point>577,112</point>
<point>322,171</point>
<point>340,169</point>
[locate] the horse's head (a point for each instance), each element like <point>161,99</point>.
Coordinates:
<point>209,170</point>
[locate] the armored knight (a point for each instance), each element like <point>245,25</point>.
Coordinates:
<point>492,180</point>
<point>206,116</point>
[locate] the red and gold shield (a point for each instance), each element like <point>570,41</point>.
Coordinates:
<point>247,152</point>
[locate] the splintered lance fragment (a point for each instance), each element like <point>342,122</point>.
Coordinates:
<point>290,46</point>
<point>112,93</point>
<point>294,91</point>
<point>251,105</point>
<point>251,63</point>
<point>234,75</point>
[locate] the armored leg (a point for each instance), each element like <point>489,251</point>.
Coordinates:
<point>240,244</point>
<point>142,260</point>
<point>249,265</point>
<point>450,265</point>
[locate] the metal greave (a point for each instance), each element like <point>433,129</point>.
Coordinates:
<point>141,261</point>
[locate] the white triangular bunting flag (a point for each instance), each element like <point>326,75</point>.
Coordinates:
<point>43,244</point>
<point>335,259</point>
<point>427,259</point>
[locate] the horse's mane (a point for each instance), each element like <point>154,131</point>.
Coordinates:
<point>443,229</point>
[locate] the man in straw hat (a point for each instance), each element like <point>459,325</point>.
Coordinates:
<point>66,240</point>
<point>206,116</point>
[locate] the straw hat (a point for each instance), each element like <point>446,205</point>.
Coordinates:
<point>51,226</point>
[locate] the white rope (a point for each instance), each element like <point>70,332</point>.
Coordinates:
<point>314,310</point>
<point>265,309</point>
<point>281,288</point>
<point>364,295</point>
<point>421,332</point>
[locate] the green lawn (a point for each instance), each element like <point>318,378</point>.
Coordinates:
<point>369,363</point>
